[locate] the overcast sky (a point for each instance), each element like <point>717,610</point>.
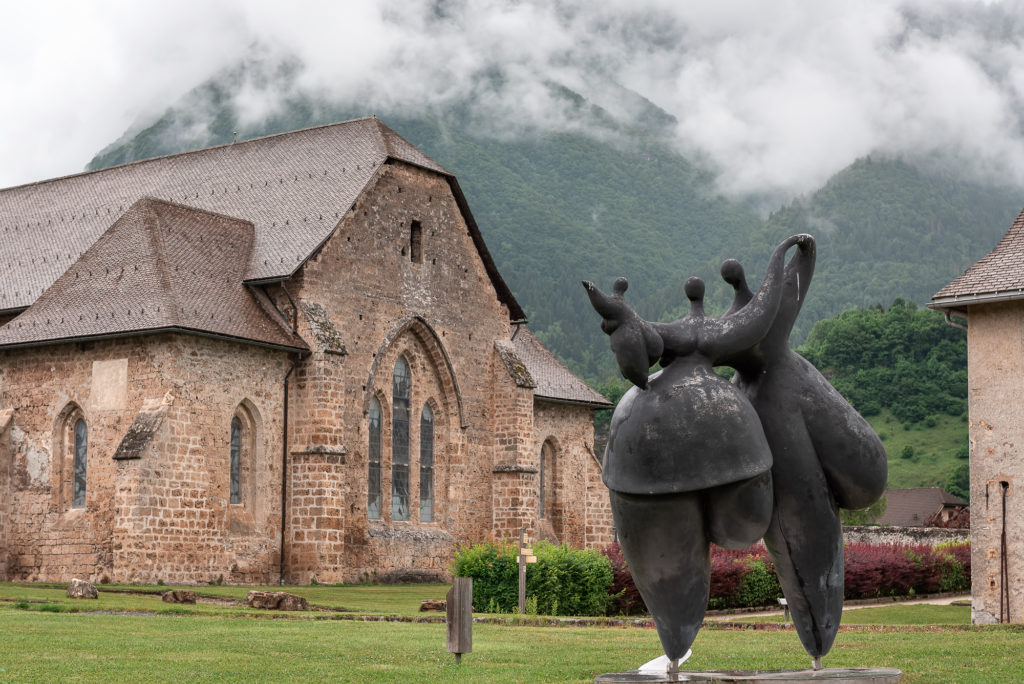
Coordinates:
<point>777,95</point>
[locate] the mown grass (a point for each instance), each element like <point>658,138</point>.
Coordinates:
<point>207,643</point>
<point>388,600</point>
<point>48,647</point>
<point>935,449</point>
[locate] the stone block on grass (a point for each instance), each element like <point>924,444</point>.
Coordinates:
<point>276,600</point>
<point>179,596</point>
<point>81,589</point>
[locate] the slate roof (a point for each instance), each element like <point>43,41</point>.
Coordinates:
<point>552,380</point>
<point>913,507</point>
<point>999,275</point>
<point>159,267</point>
<point>294,188</point>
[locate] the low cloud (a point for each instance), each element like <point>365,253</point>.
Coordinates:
<point>775,96</point>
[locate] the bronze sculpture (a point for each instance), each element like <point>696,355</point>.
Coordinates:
<point>694,459</point>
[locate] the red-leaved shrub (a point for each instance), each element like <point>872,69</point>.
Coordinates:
<point>626,599</point>
<point>745,577</point>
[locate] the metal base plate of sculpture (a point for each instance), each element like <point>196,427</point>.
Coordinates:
<point>694,459</point>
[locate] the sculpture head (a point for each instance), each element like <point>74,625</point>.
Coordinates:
<point>694,289</point>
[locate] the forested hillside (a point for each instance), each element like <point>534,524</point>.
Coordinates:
<point>556,208</point>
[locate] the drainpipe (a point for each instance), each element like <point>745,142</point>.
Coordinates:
<point>284,469</point>
<point>950,321</point>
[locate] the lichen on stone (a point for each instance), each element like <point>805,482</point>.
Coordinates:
<point>514,365</point>
<point>327,336</point>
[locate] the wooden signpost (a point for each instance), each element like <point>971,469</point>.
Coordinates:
<point>525,556</point>
<point>459,617</point>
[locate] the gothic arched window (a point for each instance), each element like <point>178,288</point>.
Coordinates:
<point>427,465</point>
<point>79,464</point>
<point>547,454</point>
<point>401,391</point>
<point>236,460</point>
<point>373,477</point>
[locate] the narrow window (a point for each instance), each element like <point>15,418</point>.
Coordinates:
<point>416,242</point>
<point>373,481</point>
<point>545,466</point>
<point>78,469</point>
<point>401,391</point>
<point>236,460</point>
<point>427,465</point>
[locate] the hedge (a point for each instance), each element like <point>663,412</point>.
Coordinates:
<point>563,581</point>
<point>747,577</point>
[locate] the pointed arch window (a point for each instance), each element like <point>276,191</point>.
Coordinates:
<point>401,392</point>
<point>373,493</point>
<point>236,460</point>
<point>427,465</point>
<point>544,497</point>
<point>79,464</point>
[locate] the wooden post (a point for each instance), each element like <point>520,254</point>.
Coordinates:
<point>459,616</point>
<point>525,556</point>
<point>522,572</point>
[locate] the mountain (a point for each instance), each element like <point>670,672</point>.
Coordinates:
<point>612,196</point>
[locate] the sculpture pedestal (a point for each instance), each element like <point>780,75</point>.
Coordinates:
<point>860,675</point>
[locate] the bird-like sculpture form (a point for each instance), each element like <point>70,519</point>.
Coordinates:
<point>826,457</point>
<point>693,459</point>
<point>634,341</point>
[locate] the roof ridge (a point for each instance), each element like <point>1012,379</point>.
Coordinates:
<point>187,152</point>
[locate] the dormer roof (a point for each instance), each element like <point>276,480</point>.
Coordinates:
<point>161,267</point>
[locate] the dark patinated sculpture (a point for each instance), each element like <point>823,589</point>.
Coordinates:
<point>694,459</point>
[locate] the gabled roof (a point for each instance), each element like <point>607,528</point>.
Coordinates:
<point>160,267</point>
<point>997,276</point>
<point>294,188</point>
<point>551,379</point>
<point>913,507</point>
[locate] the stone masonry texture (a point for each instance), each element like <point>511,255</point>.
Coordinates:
<point>399,277</point>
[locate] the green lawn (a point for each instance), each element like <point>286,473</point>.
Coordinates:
<point>401,599</point>
<point>43,646</point>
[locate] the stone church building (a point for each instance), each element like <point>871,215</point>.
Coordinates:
<point>989,297</point>
<point>290,358</point>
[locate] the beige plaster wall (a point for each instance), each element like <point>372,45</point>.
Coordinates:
<point>995,340</point>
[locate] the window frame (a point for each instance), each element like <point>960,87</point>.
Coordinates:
<point>374,485</point>
<point>401,428</point>
<point>426,465</point>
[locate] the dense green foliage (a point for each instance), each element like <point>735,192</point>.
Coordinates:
<point>563,581</point>
<point>959,483</point>
<point>556,208</point>
<point>905,359</point>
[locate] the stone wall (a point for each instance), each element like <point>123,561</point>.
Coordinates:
<point>889,534</point>
<point>163,513</point>
<point>433,304</point>
<point>6,416</point>
<point>995,379</point>
<point>399,278</point>
<point>579,510</point>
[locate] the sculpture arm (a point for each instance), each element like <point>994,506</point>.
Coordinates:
<point>745,327</point>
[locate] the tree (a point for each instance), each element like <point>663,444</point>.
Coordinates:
<point>959,482</point>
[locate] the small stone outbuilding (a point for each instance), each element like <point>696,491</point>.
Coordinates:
<point>287,358</point>
<point>988,299</point>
